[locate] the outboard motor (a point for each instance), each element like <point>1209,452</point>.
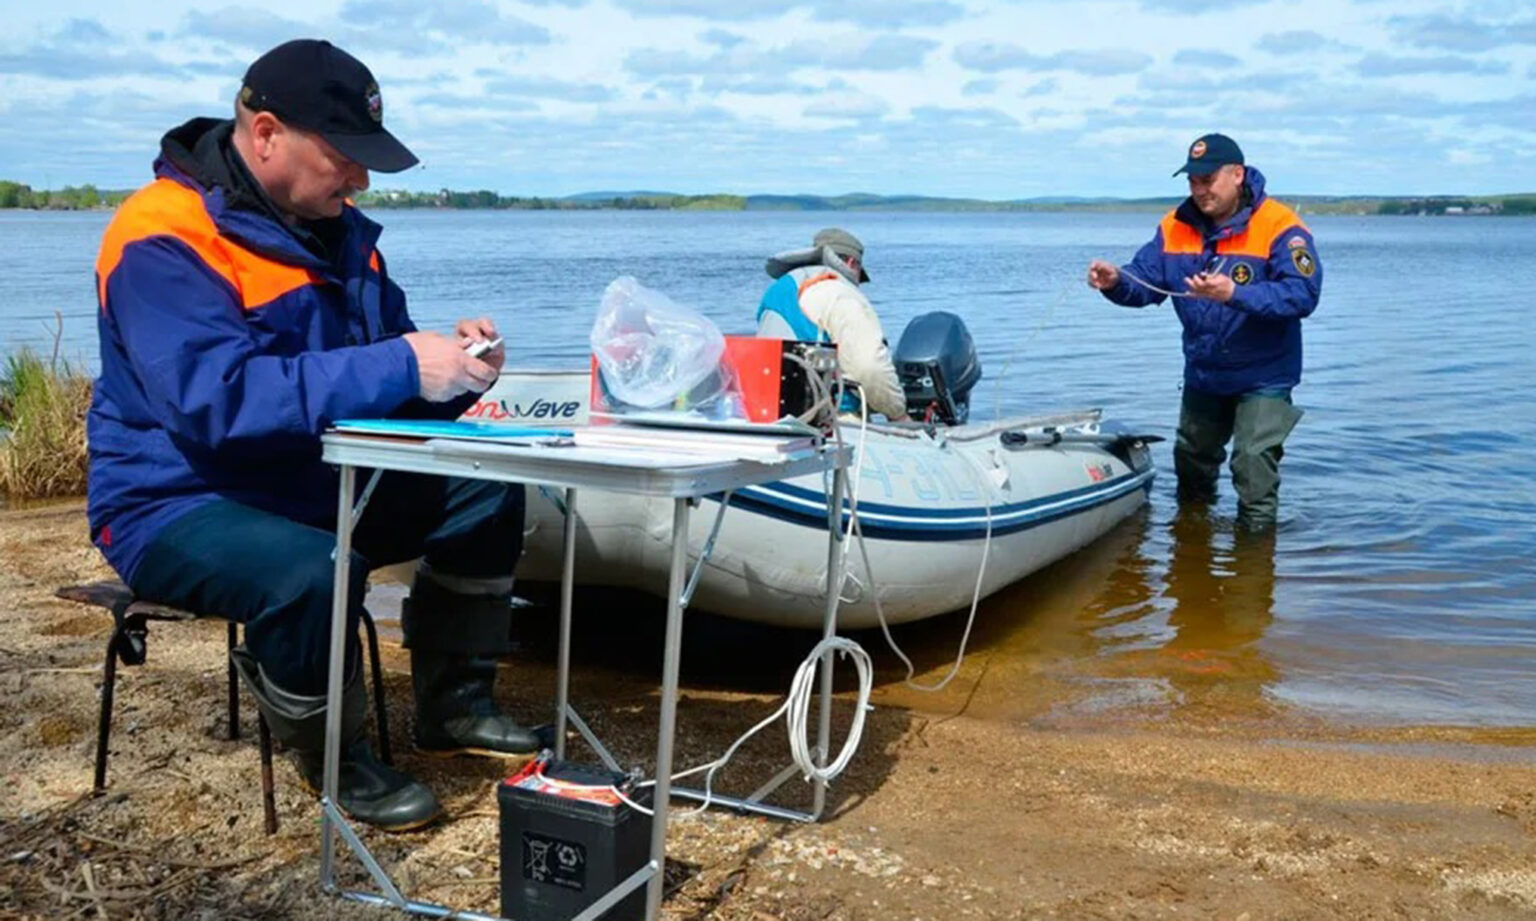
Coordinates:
<point>937,364</point>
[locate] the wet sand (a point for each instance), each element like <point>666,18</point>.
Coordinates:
<point>1058,776</point>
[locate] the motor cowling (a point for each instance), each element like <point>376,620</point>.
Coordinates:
<point>937,364</point>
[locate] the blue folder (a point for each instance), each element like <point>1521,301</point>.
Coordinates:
<point>436,428</point>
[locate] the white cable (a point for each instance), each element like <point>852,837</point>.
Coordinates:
<point>1151,287</point>
<point>796,706</point>
<point>819,389</point>
<point>853,490</point>
<point>997,386</point>
<point>965,639</point>
<point>796,711</point>
<point>1213,270</point>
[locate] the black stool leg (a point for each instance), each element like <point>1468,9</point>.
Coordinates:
<point>234,693</point>
<point>104,724</point>
<point>381,715</point>
<point>268,796</point>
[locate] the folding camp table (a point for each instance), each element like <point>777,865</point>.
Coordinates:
<point>685,478</point>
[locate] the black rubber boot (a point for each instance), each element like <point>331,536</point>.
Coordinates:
<point>367,789</point>
<point>454,640</point>
<point>455,711</point>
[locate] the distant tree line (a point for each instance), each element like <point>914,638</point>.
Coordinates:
<point>1511,204</point>
<point>69,198</point>
<point>86,197</point>
<point>486,199</point>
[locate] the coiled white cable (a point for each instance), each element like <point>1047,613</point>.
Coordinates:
<point>796,711</point>
<point>797,704</point>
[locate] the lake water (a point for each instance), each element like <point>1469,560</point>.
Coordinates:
<point>1400,586</point>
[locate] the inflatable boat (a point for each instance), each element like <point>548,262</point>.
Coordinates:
<point>941,504</point>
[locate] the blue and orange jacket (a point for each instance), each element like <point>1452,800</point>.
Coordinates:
<point>229,342</point>
<point>1252,342</point>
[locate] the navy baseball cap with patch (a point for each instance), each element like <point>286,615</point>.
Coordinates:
<point>316,86</point>
<point>1209,153</point>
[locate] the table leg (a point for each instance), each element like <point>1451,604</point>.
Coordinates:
<point>835,550</point>
<point>344,489</point>
<point>670,661</point>
<point>567,583</point>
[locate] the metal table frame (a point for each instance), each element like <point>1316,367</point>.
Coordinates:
<point>570,468</point>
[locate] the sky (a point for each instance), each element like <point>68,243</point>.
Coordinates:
<point>995,99</point>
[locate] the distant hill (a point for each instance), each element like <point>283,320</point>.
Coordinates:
<point>610,196</point>
<point>867,201</point>
<point>17,195</point>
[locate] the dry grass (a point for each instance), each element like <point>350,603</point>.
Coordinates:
<point>43,405</point>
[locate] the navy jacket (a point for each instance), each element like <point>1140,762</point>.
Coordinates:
<point>229,341</point>
<point>1252,342</point>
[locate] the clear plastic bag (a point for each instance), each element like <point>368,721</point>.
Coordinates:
<point>655,353</point>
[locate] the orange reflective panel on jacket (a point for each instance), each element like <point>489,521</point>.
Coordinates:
<point>1268,222</point>
<point>166,208</point>
<point>1179,237</point>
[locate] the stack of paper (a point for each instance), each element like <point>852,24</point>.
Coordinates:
<point>788,425</point>
<point>767,448</point>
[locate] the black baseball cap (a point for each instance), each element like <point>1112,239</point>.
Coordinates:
<point>316,86</point>
<point>1209,153</point>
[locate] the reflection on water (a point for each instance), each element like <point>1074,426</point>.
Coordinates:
<point>1116,626</point>
<point>1221,589</point>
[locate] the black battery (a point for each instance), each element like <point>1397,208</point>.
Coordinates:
<point>567,839</point>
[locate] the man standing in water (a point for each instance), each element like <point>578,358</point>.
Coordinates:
<point>244,308</point>
<point>1242,270</point>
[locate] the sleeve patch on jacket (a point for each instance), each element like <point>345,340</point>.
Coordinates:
<point>1305,264</point>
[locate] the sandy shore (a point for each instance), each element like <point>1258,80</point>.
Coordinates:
<point>1070,812</point>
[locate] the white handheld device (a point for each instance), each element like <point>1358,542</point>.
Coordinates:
<point>476,349</point>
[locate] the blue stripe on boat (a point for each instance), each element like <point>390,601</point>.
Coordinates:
<point>806,507</point>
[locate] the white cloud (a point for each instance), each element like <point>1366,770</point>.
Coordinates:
<point>934,96</point>
<point>991,57</point>
<point>848,105</point>
<point>1206,58</point>
<point>1461,156</point>
<point>1299,41</point>
<point>850,53</point>
<point>1388,65</point>
<point>1462,32</point>
<point>879,13</point>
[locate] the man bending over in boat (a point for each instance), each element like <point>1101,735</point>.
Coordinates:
<point>1243,271</point>
<point>815,297</point>
<point>244,308</point>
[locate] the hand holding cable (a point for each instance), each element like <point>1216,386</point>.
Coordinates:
<point>1211,285</point>
<point>1102,275</point>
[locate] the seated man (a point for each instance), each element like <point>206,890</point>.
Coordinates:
<point>244,308</point>
<point>816,298</point>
